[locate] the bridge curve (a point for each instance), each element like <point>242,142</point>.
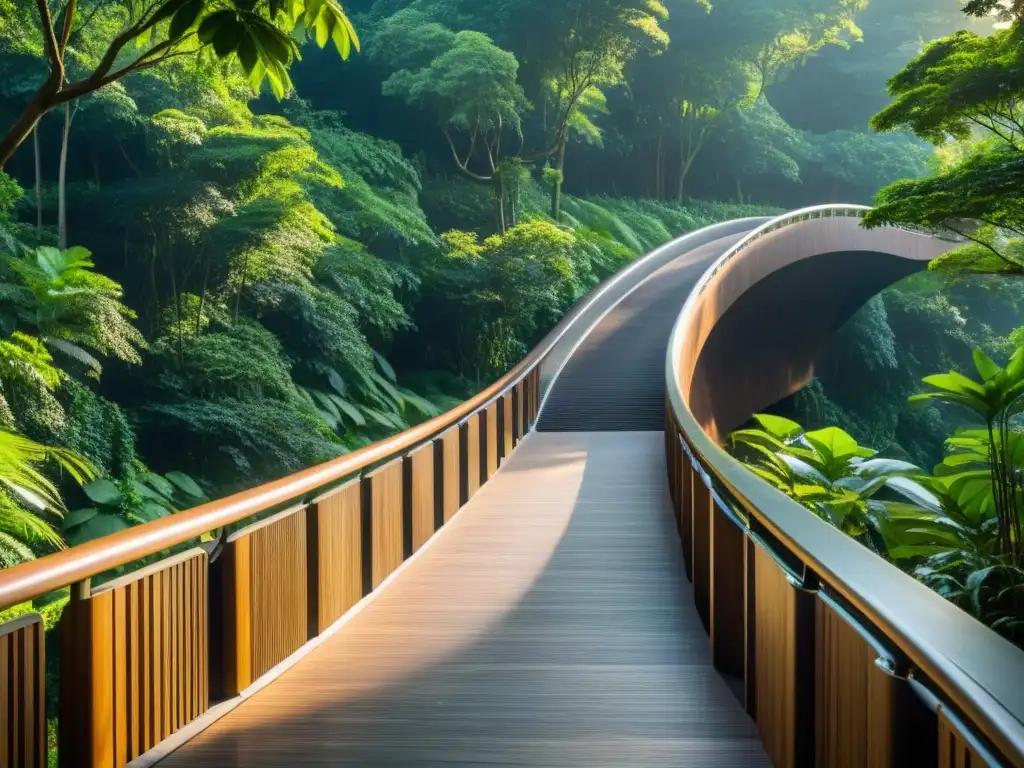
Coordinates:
<point>503,586</point>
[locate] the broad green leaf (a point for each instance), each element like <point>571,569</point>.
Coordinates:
<point>186,484</point>
<point>160,484</point>
<point>350,410</point>
<point>886,467</point>
<point>338,383</point>
<point>78,517</point>
<point>915,492</point>
<point>184,18</point>
<point>385,367</point>
<point>248,56</point>
<point>832,442</point>
<point>103,492</point>
<point>212,24</point>
<point>783,429</point>
<point>103,524</point>
<point>986,366</point>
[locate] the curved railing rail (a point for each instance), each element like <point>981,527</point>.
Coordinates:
<point>846,659</point>
<point>143,655</point>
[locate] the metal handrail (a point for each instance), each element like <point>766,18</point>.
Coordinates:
<point>33,579</point>
<point>979,671</point>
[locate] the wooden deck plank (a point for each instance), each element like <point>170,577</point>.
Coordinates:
<point>549,625</point>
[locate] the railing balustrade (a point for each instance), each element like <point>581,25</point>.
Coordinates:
<point>845,660</point>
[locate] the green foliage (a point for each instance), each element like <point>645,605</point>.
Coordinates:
<point>29,502</point>
<point>77,311</point>
<point>827,471</point>
<point>968,87</point>
<point>959,530</point>
<point>117,506</point>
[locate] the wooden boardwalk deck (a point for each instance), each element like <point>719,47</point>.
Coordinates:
<point>549,625</point>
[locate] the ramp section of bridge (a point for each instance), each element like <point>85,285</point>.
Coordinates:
<point>615,380</point>
<point>550,625</point>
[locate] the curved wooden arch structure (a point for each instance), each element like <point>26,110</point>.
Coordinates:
<point>550,624</point>
<point>846,660</point>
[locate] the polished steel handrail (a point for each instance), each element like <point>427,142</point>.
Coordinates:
<point>976,669</point>
<point>33,579</point>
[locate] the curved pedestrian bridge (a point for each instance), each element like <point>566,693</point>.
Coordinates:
<point>567,570</point>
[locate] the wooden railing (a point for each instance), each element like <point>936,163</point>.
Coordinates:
<point>146,654</point>
<point>846,660</point>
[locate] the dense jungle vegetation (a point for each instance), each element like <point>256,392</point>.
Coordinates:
<point>929,473</point>
<point>241,237</point>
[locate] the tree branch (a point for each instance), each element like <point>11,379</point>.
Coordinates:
<point>69,18</point>
<point>50,39</point>
<point>463,168</point>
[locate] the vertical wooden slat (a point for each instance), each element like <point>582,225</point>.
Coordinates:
<point>686,512</point>
<point>472,459</point>
<point>728,585</point>
<point>450,453</point>
<point>784,653</point>
<point>22,693</point>
<point>523,414</point>
<point>386,493</point>
<point>490,464</point>
<point>535,395</point>
<point>174,641</point>
<point>236,604</point>
<point>273,562</point>
<point>700,514</point>
<point>123,645</point>
<point>422,492</point>
<point>517,414</point>
<point>507,431</point>
<point>339,566</point>
<point>156,655</point>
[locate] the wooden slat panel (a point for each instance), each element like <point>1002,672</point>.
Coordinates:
<point>728,587</point>
<point>450,468</point>
<point>139,657</point>
<point>491,441</point>
<point>522,414</point>
<point>22,693</point>
<point>507,432</point>
<point>386,498</point>
<point>422,460</point>
<point>534,395</point>
<point>781,613</point>
<point>854,697</point>
<point>339,568</point>
<point>265,601</point>
<point>278,593</point>
<point>686,512</point>
<point>473,457</point>
<point>955,749</point>
<point>701,544</point>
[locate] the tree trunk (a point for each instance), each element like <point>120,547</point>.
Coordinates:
<point>39,181</point>
<point>25,125</point>
<point>556,192</point>
<point>62,207</point>
<point>659,169</point>
<point>499,204</point>
<point>739,189</point>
